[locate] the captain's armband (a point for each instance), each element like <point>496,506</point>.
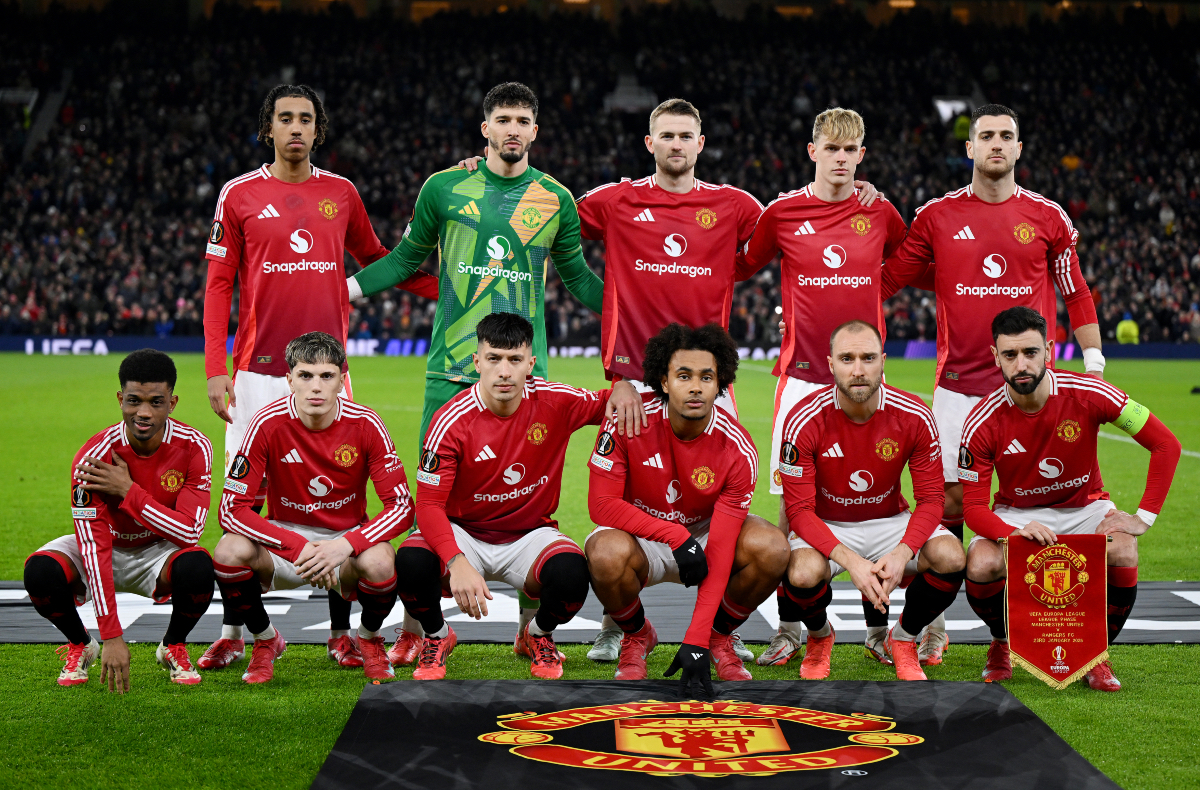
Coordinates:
<point>1132,418</point>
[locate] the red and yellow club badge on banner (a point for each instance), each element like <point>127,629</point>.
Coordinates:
<point>710,739</point>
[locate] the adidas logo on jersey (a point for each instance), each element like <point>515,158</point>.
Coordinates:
<point>1013,448</point>
<point>965,233</point>
<point>469,210</point>
<point>293,457</point>
<point>268,212</point>
<point>485,454</point>
<point>834,452</point>
<point>806,229</point>
<point>655,461</point>
<point>645,216</point>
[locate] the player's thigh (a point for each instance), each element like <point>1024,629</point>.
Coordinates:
<point>65,551</point>
<point>762,545</point>
<point>942,553</point>
<point>788,392</point>
<point>985,560</point>
<point>524,560</point>
<point>613,552</point>
<point>950,410</point>
<point>138,569</point>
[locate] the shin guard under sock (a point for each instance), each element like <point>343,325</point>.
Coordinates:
<point>242,593</point>
<point>1122,592</point>
<point>987,599</point>
<point>929,595</point>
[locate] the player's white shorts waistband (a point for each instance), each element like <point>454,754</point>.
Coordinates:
<point>507,562</point>
<point>662,561</point>
<point>788,392</point>
<point>286,576</point>
<point>1062,520</point>
<point>950,410</point>
<point>726,401</point>
<point>870,539</point>
<point>135,570</point>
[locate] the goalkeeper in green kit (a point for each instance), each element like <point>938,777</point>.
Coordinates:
<point>494,230</point>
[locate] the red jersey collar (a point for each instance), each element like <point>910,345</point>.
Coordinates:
<point>1053,388</point>
<point>837,397</point>
<point>266,173</point>
<point>294,413</point>
<point>695,184</point>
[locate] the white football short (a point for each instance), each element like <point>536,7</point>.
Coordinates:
<point>726,401</point>
<point>135,570</point>
<point>1063,520</point>
<point>950,410</point>
<point>254,392</point>
<point>662,561</point>
<point>870,539</point>
<point>506,562</point>
<point>788,392</point>
<point>286,576</point>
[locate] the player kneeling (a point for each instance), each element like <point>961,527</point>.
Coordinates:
<point>843,450</point>
<point>489,481</point>
<point>139,498</point>
<point>1038,433</point>
<point>674,505</point>
<point>317,450</point>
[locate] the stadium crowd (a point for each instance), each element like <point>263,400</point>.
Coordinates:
<point>102,227</point>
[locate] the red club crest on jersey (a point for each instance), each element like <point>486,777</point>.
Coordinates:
<point>171,480</point>
<point>1068,431</point>
<point>536,433</point>
<point>703,478</point>
<point>861,225</point>
<point>707,218</point>
<point>345,455</point>
<point>1025,233</point>
<point>327,208</point>
<point>887,449</point>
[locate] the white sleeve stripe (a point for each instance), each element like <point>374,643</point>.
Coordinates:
<point>361,412</point>
<point>276,409</point>
<point>220,213</point>
<point>920,411</point>
<point>438,430</point>
<point>747,448</point>
<point>231,524</point>
<point>167,524</point>
<point>91,566</point>
<point>801,418</point>
<point>1117,400</point>
<point>962,192</point>
<point>978,418</point>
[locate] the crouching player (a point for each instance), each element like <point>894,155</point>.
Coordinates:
<point>318,450</point>
<point>489,481</point>
<point>139,499</point>
<point>844,448</point>
<point>1038,433</point>
<point>673,506</point>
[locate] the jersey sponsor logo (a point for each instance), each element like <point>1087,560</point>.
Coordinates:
<point>1050,468</point>
<point>995,266</point>
<point>531,218</point>
<point>674,492</point>
<point>887,449</point>
<point>645,216</point>
<point>1061,485</point>
<point>788,454</point>
<point>494,271</point>
<point>672,268</point>
<point>604,463</point>
<point>130,535</point>
<point>428,478</point>
<point>499,248</point>
<point>965,458</point>
<point>301,241</point>
<point>706,218</point>
<point>857,500</point>
<point>516,493</point>
<point>791,470</point>
<point>1025,232</point>
<point>654,461</point>
<point>215,249</point>
<point>965,234</point>
<point>320,486</point>
<point>967,474</point>
<point>675,245</point>
<point>1069,431</point>
<point>834,256</point>
<point>836,279</point>
<point>861,225</point>
<point>345,455</point>
<point>327,208</point>
<point>301,265</point>
<point>83,512</point>
<point>171,480</point>
<point>268,213</point>
<point>293,457</point>
<point>313,507</point>
<point>1011,291</point>
<point>239,468</point>
<point>666,515</point>
<point>216,232</point>
<point>1014,448</point>
<point>514,474</point>
<point>235,486</point>
<point>861,480</point>
<point>80,496</point>
<point>537,433</point>
<point>703,478</point>
<point>392,462</point>
<point>486,454</point>
<point>806,229</point>
<point>430,461</point>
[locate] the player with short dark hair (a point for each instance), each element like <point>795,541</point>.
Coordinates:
<point>488,485</point>
<point>1038,434</point>
<point>672,504</point>
<point>318,450</point>
<point>844,448</point>
<point>139,499</point>
<point>282,231</point>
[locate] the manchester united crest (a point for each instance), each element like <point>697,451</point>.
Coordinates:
<point>887,449</point>
<point>1068,431</point>
<point>703,478</point>
<point>536,433</point>
<point>1025,233</point>
<point>327,208</point>
<point>1056,575</point>
<point>861,225</point>
<point>531,218</point>
<point>171,480</point>
<point>345,455</point>
<point>706,218</point>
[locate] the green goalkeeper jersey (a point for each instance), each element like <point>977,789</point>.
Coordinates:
<point>493,236</point>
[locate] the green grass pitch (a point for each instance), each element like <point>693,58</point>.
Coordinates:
<point>223,733</point>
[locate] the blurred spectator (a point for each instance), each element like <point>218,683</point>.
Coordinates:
<point>1127,330</point>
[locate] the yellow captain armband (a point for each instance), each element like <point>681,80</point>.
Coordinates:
<point>1132,418</point>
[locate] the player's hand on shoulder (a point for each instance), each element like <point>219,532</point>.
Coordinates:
<point>696,664</point>
<point>114,663</point>
<point>626,410</point>
<point>468,587</point>
<point>471,163</point>
<point>867,193</point>
<point>1037,531</point>
<point>1120,521</point>
<point>692,564</point>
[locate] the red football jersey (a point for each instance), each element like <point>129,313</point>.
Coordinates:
<point>990,257</point>
<point>286,242</point>
<point>669,258</point>
<point>843,470</point>
<point>831,271</point>
<point>499,478</point>
<point>318,479</point>
<point>169,501</point>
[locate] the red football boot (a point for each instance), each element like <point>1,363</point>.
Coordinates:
<point>635,649</point>
<point>343,650</point>
<point>404,652</point>
<point>374,658</point>
<point>262,658</point>
<point>1101,678</point>
<point>546,660</point>
<point>999,662</point>
<point>904,656</point>
<point>729,664</point>
<point>76,661</point>
<point>434,652</point>
<point>815,665</point>
<point>222,653</point>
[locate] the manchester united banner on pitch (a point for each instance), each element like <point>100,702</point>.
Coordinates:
<point>1056,606</point>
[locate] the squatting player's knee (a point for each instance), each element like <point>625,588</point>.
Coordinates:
<point>985,561</point>
<point>945,554</point>
<point>416,565</point>
<point>42,575</point>
<point>567,575</point>
<point>376,564</point>
<point>1123,549</point>
<point>609,554</point>
<point>192,570</point>
<point>763,546</point>
<point>235,550</point>
<point>807,568</point>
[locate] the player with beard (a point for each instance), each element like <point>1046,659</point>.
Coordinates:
<point>844,447</point>
<point>1038,432</point>
<point>282,232</point>
<point>986,247</point>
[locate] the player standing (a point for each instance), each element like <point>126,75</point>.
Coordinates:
<point>1038,433</point>
<point>833,251</point>
<point>139,499</point>
<point>990,245</point>
<point>318,450</point>
<point>673,505</point>
<point>488,486</point>
<point>282,231</point>
<point>844,447</point>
